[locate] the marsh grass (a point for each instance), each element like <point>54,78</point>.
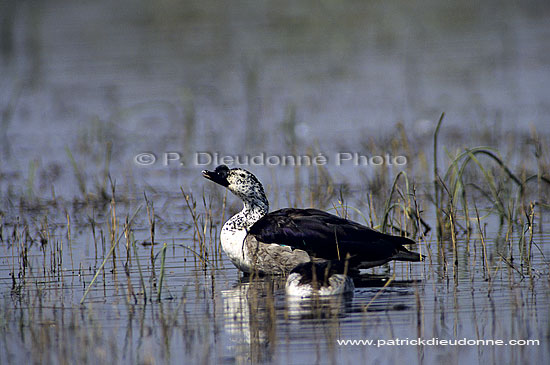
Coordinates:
<point>73,290</point>
<point>203,225</point>
<point>68,271</point>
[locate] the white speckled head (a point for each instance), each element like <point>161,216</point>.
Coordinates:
<point>240,182</point>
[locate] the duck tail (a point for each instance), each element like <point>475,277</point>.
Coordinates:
<point>402,253</point>
<point>406,255</point>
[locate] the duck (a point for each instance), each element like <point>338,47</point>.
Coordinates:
<point>274,243</point>
<point>325,278</point>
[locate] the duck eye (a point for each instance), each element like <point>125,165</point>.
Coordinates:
<point>221,168</point>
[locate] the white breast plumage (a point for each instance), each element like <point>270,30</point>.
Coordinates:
<point>233,245</point>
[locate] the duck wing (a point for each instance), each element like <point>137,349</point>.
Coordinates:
<point>324,235</point>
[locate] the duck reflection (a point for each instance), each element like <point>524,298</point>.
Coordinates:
<point>257,313</point>
<point>250,316</point>
<point>255,306</point>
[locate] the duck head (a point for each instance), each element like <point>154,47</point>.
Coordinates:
<point>240,182</point>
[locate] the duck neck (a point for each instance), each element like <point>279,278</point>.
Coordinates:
<point>252,212</point>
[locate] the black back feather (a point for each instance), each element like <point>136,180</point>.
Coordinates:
<point>324,235</point>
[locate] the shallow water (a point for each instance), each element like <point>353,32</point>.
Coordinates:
<point>170,77</point>
<point>89,87</point>
<point>211,314</point>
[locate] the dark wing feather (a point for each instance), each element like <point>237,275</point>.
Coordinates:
<point>318,232</point>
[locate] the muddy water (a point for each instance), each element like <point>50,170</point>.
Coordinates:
<point>146,95</point>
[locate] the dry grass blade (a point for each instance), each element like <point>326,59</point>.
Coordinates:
<point>439,222</point>
<point>106,258</point>
<point>378,293</point>
<point>389,206</point>
<point>162,265</point>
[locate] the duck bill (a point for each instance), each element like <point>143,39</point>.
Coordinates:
<point>215,177</point>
